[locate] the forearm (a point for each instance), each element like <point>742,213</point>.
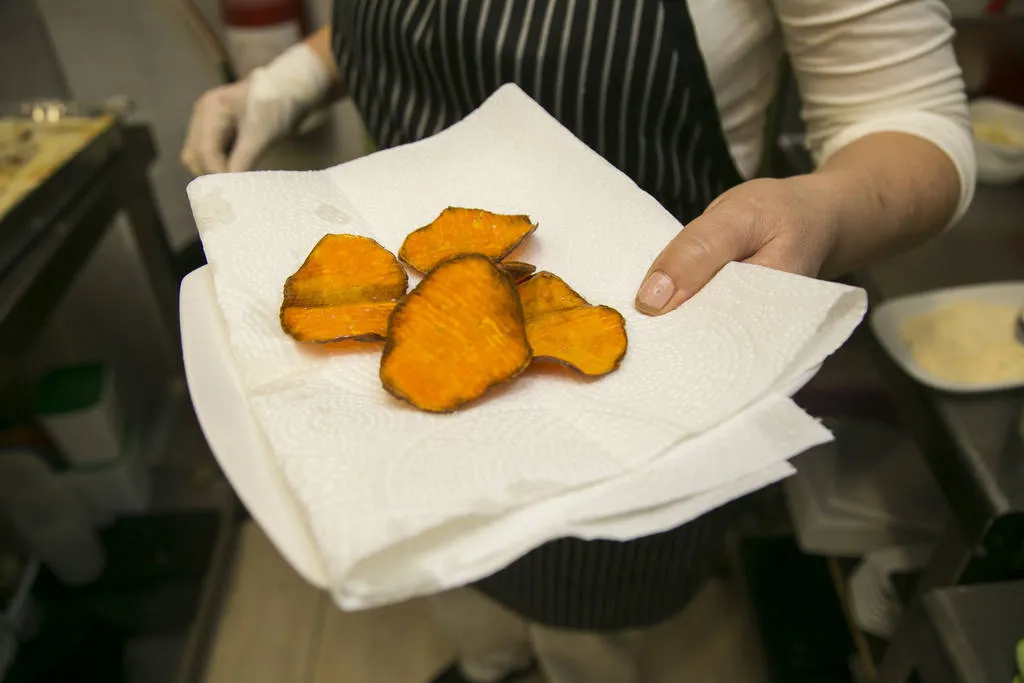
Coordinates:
<point>886,118</point>
<point>882,194</point>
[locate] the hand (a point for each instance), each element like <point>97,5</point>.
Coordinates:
<point>782,224</point>
<point>218,121</point>
<point>232,125</point>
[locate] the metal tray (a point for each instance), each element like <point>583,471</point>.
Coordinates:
<point>51,110</point>
<point>31,214</point>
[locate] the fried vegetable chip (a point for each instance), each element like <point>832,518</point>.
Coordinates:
<point>464,231</point>
<point>517,270</point>
<point>366,321</point>
<point>590,339</point>
<point>563,327</point>
<point>456,335</point>
<point>344,269</point>
<point>546,292</point>
<point>345,289</point>
<point>475,320</point>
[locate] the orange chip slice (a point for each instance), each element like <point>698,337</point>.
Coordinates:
<point>517,270</point>
<point>590,339</point>
<point>546,292</point>
<point>464,231</point>
<point>456,335</point>
<point>344,269</point>
<point>366,321</point>
<point>345,289</point>
<point>563,327</point>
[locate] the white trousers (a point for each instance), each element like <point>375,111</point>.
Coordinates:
<point>491,642</point>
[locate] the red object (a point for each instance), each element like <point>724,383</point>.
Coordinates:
<point>257,31</point>
<point>996,6</point>
<point>262,13</point>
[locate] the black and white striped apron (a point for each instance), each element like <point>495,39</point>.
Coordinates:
<point>627,78</point>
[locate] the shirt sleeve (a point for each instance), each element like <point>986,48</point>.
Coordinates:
<point>869,66</point>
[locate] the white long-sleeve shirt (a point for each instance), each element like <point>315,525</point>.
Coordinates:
<point>862,66</point>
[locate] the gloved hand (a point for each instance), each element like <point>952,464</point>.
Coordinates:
<point>232,125</point>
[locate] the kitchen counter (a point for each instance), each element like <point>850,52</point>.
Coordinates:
<point>972,443</point>
<point>972,634</point>
<point>46,239</point>
<point>981,468</point>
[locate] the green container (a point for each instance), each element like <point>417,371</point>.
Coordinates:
<point>78,408</point>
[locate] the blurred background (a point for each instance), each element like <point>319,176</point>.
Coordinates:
<point>124,555</point>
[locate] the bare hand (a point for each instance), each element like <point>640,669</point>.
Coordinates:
<point>781,224</point>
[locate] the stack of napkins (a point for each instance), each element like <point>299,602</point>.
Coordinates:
<point>399,502</point>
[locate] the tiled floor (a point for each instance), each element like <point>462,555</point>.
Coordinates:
<point>276,628</point>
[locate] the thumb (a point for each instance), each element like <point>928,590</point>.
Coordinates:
<point>691,259</point>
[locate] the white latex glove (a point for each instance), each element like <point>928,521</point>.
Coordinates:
<point>232,125</point>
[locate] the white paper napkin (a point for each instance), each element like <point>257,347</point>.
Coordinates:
<point>749,452</point>
<point>371,473</point>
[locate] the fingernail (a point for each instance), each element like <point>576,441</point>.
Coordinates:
<point>657,289</point>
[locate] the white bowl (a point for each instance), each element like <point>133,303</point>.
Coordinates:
<point>887,323</point>
<point>1000,161</point>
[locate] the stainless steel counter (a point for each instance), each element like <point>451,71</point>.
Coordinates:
<point>972,443</point>
<point>984,475</point>
<point>972,634</point>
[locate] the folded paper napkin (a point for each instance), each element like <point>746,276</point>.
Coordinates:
<point>383,484</point>
<point>745,453</point>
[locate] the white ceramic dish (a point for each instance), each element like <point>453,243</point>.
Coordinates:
<point>235,436</point>
<point>887,320</point>
<point>232,432</point>
<point>999,163</point>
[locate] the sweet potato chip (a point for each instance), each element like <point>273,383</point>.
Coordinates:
<point>345,269</point>
<point>517,270</point>
<point>464,231</point>
<point>590,339</point>
<point>345,289</point>
<point>546,292</point>
<point>562,326</point>
<point>456,335</point>
<point>366,321</point>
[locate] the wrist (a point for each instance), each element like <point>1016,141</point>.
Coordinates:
<point>817,206</point>
<point>889,192</point>
<point>298,76</point>
<point>851,208</point>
